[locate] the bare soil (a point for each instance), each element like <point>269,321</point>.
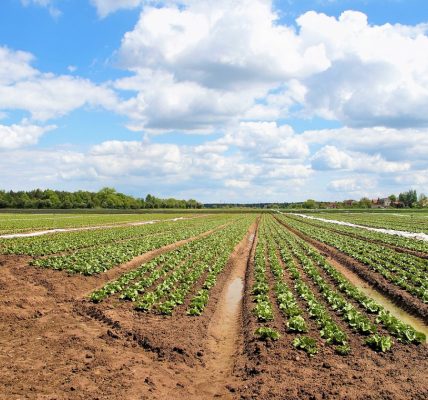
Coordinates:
<point>54,344</point>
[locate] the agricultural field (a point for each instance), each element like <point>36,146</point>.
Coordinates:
<point>403,221</point>
<point>21,223</point>
<point>200,306</point>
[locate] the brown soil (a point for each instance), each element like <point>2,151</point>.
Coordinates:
<point>54,344</point>
<point>399,296</point>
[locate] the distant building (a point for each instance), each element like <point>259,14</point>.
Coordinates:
<point>349,202</point>
<point>386,202</point>
<point>397,204</point>
<point>381,203</point>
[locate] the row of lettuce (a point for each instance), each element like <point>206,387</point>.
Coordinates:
<point>315,302</point>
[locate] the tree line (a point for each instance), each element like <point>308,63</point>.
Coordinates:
<point>105,198</point>
<point>409,199</point>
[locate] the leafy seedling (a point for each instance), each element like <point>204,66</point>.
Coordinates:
<point>306,344</point>
<point>264,333</point>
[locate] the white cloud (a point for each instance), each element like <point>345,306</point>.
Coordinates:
<point>106,7</point>
<point>401,145</point>
<point>235,183</point>
<point>118,158</point>
<point>234,60</point>
<point>266,140</point>
<point>229,45</point>
<point>414,179</point>
<point>49,4</point>
<point>354,185</point>
<point>24,134</point>
<point>15,66</point>
<point>165,104</point>
<point>158,168</point>
<point>233,69</point>
<point>45,95</point>
<point>201,65</point>
<point>378,74</point>
<point>285,171</point>
<point>331,158</point>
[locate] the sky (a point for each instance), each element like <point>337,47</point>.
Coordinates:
<point>221,101</point>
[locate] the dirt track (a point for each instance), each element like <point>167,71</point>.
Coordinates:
<point>56,345</point>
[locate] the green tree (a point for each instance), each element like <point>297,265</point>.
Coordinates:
<point>409,198</point>
<point>365,202</point>
<point>310,204</point>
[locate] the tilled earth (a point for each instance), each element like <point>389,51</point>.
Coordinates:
<point>54,344</point>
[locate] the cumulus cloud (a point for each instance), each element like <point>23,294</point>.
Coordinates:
<point>206,63</point>
<point>331,158</point>
<point>15,66</point>
<point>19,135</point>
<point>378,74</point>
<point>49,4</point>
<point>164,104</point>
<point>266,140</point>
<point>106,7</point>
<point>226,45</point>
<point>119,158</point>
<point>418,179</point>
<point>45,95</point>
<point>354,185</point>
<point>399,145</point>
<point>233,60</point>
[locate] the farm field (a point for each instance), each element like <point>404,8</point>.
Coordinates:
<point>234,306</point>
<point>404,221</point>
<point>22,223</point>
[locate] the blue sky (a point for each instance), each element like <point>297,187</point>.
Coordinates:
<point>246,101</point>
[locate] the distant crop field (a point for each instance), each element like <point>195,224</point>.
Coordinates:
<point>405,221</point>
<point>21,223</point>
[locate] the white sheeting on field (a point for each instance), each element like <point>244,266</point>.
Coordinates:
<point>409,235</point>
<point>86,228</point>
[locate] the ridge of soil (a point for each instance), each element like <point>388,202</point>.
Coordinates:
<point>398,296</point>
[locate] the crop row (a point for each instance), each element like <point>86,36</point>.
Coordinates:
<point>165,282</point>
<point>404,270</point>
<point>99,259</point>
<point>270,245</point>
<point>329,330</point>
